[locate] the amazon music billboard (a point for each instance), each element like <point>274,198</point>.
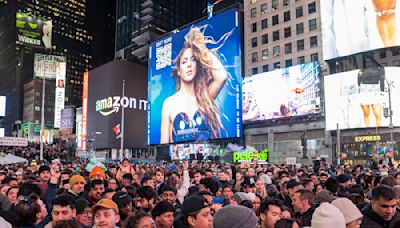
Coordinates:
<point>104,101</point>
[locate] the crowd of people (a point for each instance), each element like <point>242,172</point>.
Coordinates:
<point>198,195</point>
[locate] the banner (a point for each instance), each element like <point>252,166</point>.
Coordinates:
<point>85,109</point>
<point>248,156</point>
<point>195,79</point>
<point>3,106</point>
<point>46,65</point>
<point>61,69</point>
<point>13,141</point>
<point>67,118</point>
<point>78,128</point>
<point>34,31</point>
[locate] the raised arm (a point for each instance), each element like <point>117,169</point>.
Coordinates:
<point>219,76</point>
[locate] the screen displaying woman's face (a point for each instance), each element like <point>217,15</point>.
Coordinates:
<point>187,66</point>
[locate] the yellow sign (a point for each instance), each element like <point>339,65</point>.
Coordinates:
<point>368,138</point>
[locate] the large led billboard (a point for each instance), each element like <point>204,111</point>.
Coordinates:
<point>46,65</point>
<point>2,106</point>
<point>104,101</point>
<point>191,151</point>
<point>354,26</point>
<point>292,91</point>
<point>194,88</point>
<point>359,98</point>
<point>33,31</point>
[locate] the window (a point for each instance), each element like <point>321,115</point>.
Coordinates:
<point>264,8</point>
<point>254,70</point>
<point>254,42</point>
<point>382,54</point>
<point>300,60</point>
<point>264,39</point>
<point>266,68</point>
<point>288,48</point>
<point>395,51</point>
<point>299,11</point>
<point>314,57</point>
<point>253,12</point>
<point>313,42</point>
<point>277,65</point>
<point>275,4</point>
<point>264,23</point>
<point>312,24</point>
<point>275,35</point>
<point>254,57</point>
<point>276,51</point>
<point>286,16</point>
<point>254,27</point>
<point>265,54</point>
<point>275,20</point>
<point>299,28</point>
<point>312,8</point>
<point>286,2</point>
<point>396,63</point>
<point>288,63</point>
<point>288,32</point>
<point>300,45</point>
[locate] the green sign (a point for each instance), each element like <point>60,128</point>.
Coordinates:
<point>249,156</point>
<point>33,31</point>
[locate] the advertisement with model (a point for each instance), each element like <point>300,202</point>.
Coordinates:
<point>282,93</point>
<point>360,98</point>
<point>34,31</point>
<point>194,88</point>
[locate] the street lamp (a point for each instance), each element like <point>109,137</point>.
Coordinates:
<point>390,84</point>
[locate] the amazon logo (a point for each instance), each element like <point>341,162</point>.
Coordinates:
<point>110,105</point>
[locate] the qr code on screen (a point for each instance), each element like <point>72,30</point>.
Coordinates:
<point>163,56</point>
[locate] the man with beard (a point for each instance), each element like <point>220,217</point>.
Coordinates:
<point>124,203</point>
<point>163,214</point>
<point>96,190</point>
<point>145,198</point>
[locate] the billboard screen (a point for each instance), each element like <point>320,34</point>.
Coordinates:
<point>61,70</point>
<point>46,65</point>
<point>358,99</point>
<point>104,102</point>
<point>194,85</point>
<point>33,31</point>
<point>292,91</point>
<point>191,151</point>
<point>67,118</point>
<point>2,105</point>
<point>354,26</point>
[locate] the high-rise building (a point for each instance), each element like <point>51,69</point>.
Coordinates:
<point>70,38</point>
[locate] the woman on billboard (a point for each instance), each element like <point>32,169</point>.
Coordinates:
<point>191,113</point>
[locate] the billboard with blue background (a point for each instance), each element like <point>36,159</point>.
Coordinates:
<point>194,87</point>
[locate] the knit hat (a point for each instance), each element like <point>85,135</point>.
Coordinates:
<point>241,196</point>
<point>348,209</point>
<point>75,180</point>
<point>44,168</point>
<point>343,178</point>
<point>97,171</point>
<point>235,216</point>
<point>327,216</point>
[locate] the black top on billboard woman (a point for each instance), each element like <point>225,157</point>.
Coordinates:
<point>191,113</point>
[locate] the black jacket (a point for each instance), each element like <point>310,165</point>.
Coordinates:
<point>372,220</point>
<point>306,217</point>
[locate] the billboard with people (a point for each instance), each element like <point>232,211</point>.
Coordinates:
<point>354,26</point>
<point>283,93</point>
<point>360,98</point>
<point>194,88</point>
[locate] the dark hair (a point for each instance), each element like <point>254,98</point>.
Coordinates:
<point>26,210</point>
<point>285,208</point>
<point>286,223</point>
<point>146,192</point>
<point>292,184</point>
<point>203,193</point>
<point>27,189</point>
<point>161,208</point>
<point>264,207</point>
<point>67,224</point>
<point>145,178</point>
<point>127,176</point>
<point>357,189</point>
<point>193,189</point>
<point>131,190</point>
<point>200,171</point>
<point>166,188</point>
<point>65,200</point>
<point>389,181</point>
<point>383,192</point>
<point>332,185</point>
<point>210,183</point>
<point>343,192</point>
<point>306,194</point>
<point>95,182</point>
<point>133,220</point>
<point>247,203</point>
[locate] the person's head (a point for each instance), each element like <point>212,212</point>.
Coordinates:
<point>44,173</point>
<point>351,213</point>
<point>198,175</point>
<point>96,189</point>
<point>168,193</point>
<point>397,177</point>
<point>327,216</point>
<point>127,179</point>
<point>256,203</point>
<point>148,180</point>
<point>113,184</point>
<point>159,176</point>
<point>344,180</point>
<point>249,184</point>
<point>125,162</point>
<point>12,194</point>
<point>234,216</point>
<point>287,223</point>
<point>63,208</point>
<point>105,214</point>
<point>260,186</point>
<point>27,189</point>
<point>322,178</point>
<point>292,186</point>
<point>124,203</point>
<point>209,184</point>
<point>97,173</point>
<point>4,188</point>
<point>286,212</point>
<point>30,211</point>
<point>389,181</point>
<point>223,175</point>
<point>384,202</point>
<point>227,191</point>
<point>196,212</point>
<point>83,214</point>
<point>77,184</point>
<point>140,219</point>
<point>332,185</point>
<point>145,198</point>
<point>270,213</point>
<point>303,199</point>
<point>308,184</point>
<point>67,224</point>
<point>163,214</point>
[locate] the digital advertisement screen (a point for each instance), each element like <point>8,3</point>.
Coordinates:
<point>46,65</point>
<point>359,98</point>
<point>292,91</point>
<point>354,26</point>
<point>194,87</point>
<point>33,31</point>
<point>191,151</point>
<point>3,106</point>
<point>61,70</point>
<point>103,103</point>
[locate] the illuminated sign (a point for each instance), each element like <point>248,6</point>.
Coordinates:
<point>367,138</point>
<point>249,156</point>
<point>33,31</point>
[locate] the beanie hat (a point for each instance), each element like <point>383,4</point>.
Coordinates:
<point>235,216</point>
<point>348,209</point>
<point>343,178</point>
<point>97,171</point>
<point>76,179</point>
<point>327,216</point>
<point>241,196</point>
<point>44,168</point>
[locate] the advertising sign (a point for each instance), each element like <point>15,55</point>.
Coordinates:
<point>3,105</point>
<point>287,92</point>
<point>248,156</point>
<point>61,69</point>
<point>1,132</point>
<point>195,83</point>
<point>78,128</point>
<point>46,65</point>
<point>191,151</point>
<point>33,31</point>
<point>359,98</point>
<point>103,102</point>
<point>291,161</point>
<point>67,118</point>
<point>13,141</point>
<point>354,26</point>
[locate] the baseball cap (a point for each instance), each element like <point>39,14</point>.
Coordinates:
<point>193,204</point>
<point>121,198</point>
<point>105,203</point>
